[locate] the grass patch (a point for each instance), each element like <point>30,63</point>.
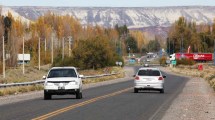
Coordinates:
<point>20,89</point>
<point>33,72</point>
<point>106,78</point>
<point>208,72</point>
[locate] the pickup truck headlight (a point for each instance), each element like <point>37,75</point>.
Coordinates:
<point>73,82</point>
<point>49,84</point>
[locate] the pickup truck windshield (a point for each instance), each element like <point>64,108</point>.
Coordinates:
<point>62,73</point>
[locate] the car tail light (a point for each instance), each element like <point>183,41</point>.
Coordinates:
<point>137,78</point>
<point>160,78</point>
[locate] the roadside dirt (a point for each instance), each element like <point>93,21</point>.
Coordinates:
<point>195,102</point>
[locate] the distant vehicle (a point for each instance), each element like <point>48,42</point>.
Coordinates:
<point>148,60</point>
<point>148,78</point>
<point>146,65</point>
<point>200,57</point>
<point>61,81</point>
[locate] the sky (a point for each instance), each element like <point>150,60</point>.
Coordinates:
<point>108,3</point>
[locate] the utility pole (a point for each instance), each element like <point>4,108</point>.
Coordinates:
<point>181,49</point>
<point>3,59</point>
<point>214,51</point>
<point>23,53</point>
<point>63,49</point>
<point>45,48</point>
<point>169,45</point>
<point>182,44</point>
<point>39,54</point>
<point>52,51</point>
<point>173,47</point>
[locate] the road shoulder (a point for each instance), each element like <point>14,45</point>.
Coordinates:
<point>195,102</point>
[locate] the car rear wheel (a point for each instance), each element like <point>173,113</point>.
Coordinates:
<point>135,90</point>
<point>47,96</point>
<point>162,91</point>
<point>78,94</point>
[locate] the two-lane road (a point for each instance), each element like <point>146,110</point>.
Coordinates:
<point>116,101</point>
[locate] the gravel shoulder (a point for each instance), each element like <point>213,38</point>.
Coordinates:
<point>195,102</point>
<point>129,71</point>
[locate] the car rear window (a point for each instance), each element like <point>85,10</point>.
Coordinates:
<point>62,73</point>
<point>149,73</point>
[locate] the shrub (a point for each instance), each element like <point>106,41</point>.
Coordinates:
<point>1,67</point>
<point>1,93</point>
<point>185,61</point>
<point>39,87</point>
<point>90,53</point>
<point>22,89</point>
<point>10,91</point>
<point>163,60</point>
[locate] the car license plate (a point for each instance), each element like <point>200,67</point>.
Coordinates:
<point>61,88</point>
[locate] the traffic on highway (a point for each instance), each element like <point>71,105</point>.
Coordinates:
<point>113,101</point>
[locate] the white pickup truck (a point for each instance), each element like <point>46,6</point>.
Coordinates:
<point>61,81</point>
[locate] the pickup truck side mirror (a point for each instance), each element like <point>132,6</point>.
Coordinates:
<point>44,77</point>
<point>81,76</point>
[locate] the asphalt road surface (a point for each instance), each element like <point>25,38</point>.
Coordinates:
<point>110,102</point>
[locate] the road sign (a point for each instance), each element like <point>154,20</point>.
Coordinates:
<point>173,62</point>
<point>167,61</point>
<point>120,63</point>
<point>132,61</point>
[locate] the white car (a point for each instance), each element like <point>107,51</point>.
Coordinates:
<point>61,81</point>
<point>149,79</point>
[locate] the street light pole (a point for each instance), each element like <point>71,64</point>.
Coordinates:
<point>181,46</point>
<point>63,49</point>
<point>45,48</point>
<point>3,58</point>
<point>173,47</point>
<point>39,54</point>
<point>169,45</point>
<point>52,51</point>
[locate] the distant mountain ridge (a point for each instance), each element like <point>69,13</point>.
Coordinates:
<point>132,17</point>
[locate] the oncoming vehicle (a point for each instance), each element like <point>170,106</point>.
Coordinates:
<point>149,79</point>
<point>62,81</point>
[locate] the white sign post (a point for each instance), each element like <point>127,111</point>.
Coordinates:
<point>120,64</point>
<point>117,63</point>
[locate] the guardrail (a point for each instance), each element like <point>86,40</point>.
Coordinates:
<point>42,81</point>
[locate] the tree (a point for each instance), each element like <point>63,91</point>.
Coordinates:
<point>140,38</point>
<point>132,44</point>
<point>94,53</point>
<point>122,29</point>
<point>153,46</point>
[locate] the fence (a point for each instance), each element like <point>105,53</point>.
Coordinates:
<point>42,81</point>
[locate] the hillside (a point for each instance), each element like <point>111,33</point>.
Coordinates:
<point>132,17</point>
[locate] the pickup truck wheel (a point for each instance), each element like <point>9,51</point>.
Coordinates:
<point>135,90</point>
<point>47,96</point>
<point>78,94</point>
